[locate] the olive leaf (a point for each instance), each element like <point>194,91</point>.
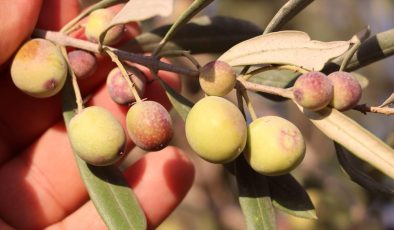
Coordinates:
<point>201,35</point>
<point>373,49</point>
<point>276,78</point>
<point>358,175</point>
<point>286,13</point>
<point>181,104</point>
<point>289,196</point>
<point>353,137</point>
<point>254,197</point>
<point>107,188</point>
<point>138,10</point>
<point>285,47</point>
<point>190,12</point>
<point>388,101</point>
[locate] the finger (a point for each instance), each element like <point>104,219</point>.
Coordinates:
<point>17,19</point>
<point>160,180</point>
<point>56,13</point>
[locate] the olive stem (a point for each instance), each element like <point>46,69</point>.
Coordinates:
<point>148,61</point>
<point>125,75</point>
<point>244,93</point>
<point>240,102</point>
<point>286,93</point>
<point>74,81</point>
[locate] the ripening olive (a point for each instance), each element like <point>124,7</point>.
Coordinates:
<point>96,136</point>
<point>216,129</point>
<point>39,68</point>
<point>275,146</point>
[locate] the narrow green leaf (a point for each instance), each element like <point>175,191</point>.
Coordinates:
<point>289,196</point>
<point>107,188</point>
<point>190,12</point>
<point>354,137</point>
<point>286,13</point>
<point>201,35</point>
<point>373,49</point>
<point>357,175</point>
<point>254,197</point>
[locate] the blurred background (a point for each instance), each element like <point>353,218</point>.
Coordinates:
<point>340,203</point>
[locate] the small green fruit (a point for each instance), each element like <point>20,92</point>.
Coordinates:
<point>97,22</point>
<point>275,146</point>
<point>96,136</point>
<point>217,78</point>
<point>313,91</point>
<point>347,90</point>
<point>39,68</point>
<point>149,125</point>
<point>216,129</point>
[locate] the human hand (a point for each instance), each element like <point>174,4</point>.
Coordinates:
<point>40,183</point>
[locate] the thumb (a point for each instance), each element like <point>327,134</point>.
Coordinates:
<point>18,19</point>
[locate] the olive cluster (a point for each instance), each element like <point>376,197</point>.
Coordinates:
<point>315,90</point>
<point>40,70</point>
<point>217,131</point>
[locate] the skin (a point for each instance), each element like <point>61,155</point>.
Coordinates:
<point>45,187</point>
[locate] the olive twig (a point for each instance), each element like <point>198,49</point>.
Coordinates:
<point>148,61</point>
<point>77,92</point>
<point>125,75</point>
<point>286,93</point>
<point>374,109</point>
